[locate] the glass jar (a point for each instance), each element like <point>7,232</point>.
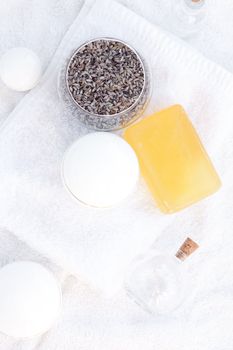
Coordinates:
<point>103,122</point>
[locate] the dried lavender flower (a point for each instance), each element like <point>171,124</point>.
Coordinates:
<point>105,77</point>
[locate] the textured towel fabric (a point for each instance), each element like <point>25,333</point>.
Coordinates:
<point>28,23</point>
<point>32,200</point>
<point>39,25</point>
<point>99,244</point>
<point>214,35</point>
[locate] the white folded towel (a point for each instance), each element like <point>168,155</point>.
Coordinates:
<point>93,243</point>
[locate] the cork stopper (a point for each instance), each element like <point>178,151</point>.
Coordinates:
<point>186,249</point>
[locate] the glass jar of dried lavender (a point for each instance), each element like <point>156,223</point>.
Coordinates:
<point>105,84</point>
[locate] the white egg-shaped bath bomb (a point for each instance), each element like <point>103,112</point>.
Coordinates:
<point>100,169</point>
<point>20,69</point>
<point>30,299</point>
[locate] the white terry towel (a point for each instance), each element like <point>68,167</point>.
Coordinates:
<point>99,244</point>
<point>38,25</point>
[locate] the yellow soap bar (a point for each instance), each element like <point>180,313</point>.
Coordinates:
<point>173,160</point>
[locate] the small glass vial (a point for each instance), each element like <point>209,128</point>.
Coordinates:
<point>159,283</point>
<point>187,15</point>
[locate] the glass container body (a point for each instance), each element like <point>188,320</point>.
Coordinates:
<point>104,122</point>
<point>187,15</point>
<point>158,283</point>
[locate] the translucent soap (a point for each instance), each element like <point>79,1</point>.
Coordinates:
<point>173,160</point>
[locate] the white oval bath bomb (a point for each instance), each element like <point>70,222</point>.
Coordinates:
<point>30,299</point>
<point>100,169</point>
<point>20,69</point>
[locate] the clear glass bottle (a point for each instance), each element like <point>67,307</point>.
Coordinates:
<point>187,16</point>
<point>159,283</point>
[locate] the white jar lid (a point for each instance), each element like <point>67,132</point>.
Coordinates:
<point>100,169</point>
<point>30,299</point>
<point>20,69</point>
